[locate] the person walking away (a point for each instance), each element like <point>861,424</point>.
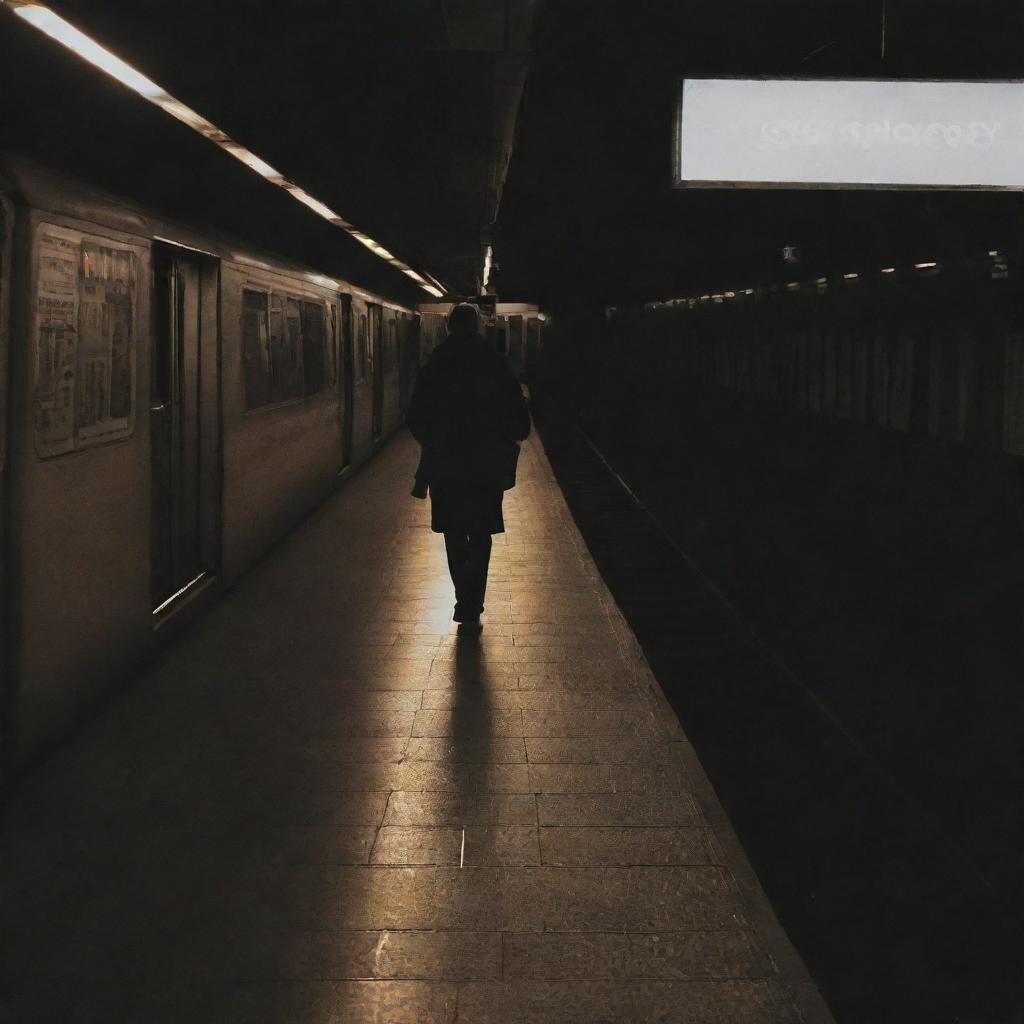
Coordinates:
<point>468,412</point>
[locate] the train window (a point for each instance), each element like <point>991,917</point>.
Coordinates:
<point>390,347</point>
<point>313,347</point>
<point>256,347</point>
<point>285,349</point>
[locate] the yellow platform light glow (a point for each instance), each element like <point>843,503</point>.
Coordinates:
<point>63,32</point>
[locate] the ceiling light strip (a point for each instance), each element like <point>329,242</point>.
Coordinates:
<point>51,24</point>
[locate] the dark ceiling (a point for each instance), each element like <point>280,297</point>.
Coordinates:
<point>382,109</point>
<point>386,110</point>
<point>589,212</point>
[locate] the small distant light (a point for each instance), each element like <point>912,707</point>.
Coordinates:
<point>88,49</point>
<point>888,270</point>
<point>730,295</point>
<point>793,286</point>
<point>993,252</point>
<point>821,280</point>
<point>924,266</point>
<point>748,291</point>
<point>488,263</point>
<point>849,277</point>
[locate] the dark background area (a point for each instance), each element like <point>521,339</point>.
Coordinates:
<point>589,216</point>
<point>358,103</point>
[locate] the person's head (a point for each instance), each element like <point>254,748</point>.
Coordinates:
<point>463,321</point>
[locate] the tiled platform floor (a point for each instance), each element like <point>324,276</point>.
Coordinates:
<point>323,805</point>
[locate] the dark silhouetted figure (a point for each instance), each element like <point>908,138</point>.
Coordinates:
<point>468,412</point>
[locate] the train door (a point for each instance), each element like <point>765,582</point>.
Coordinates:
<point>346,382</point>
<point>375,348</point>
<point>184,426</point>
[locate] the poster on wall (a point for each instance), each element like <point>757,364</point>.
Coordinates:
<point>85,341</point>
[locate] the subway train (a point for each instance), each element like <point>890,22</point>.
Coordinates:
<point>173,404</point>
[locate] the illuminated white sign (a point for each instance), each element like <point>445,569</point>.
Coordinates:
<point>851,134</point>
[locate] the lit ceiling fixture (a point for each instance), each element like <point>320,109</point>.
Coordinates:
<point>488,263</point>
<point>924,266</point>
<point>850,277</point>
<point>79,43</point>
<point>888,270</point>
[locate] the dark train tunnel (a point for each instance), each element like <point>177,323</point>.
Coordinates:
<point>740,739</point>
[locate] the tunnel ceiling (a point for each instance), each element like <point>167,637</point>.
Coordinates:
<point>399,114</point>
<point>396,113</point>
<point>589,212</point>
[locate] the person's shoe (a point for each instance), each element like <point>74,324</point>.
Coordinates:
<point>471,625</point>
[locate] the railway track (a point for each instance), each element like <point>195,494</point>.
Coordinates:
<point>894,919</point>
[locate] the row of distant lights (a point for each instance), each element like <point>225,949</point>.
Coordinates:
<point>67,35</point>
<point>820,283</point>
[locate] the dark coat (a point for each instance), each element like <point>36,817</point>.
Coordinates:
<point>467,405</point>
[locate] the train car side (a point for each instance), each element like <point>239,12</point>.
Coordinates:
<point>175,407</point>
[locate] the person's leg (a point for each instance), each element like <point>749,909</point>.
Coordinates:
<point>455,546</point>
<point>477,561</point>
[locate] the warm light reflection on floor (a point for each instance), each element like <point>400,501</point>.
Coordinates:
<point>325,804</point>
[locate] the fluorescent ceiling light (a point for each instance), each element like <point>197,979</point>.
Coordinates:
<point>78,42</point>
<point>888,270</point>
<point>252,161</point>
<point>88,49</point>
<point>849,277</point>
<point>924,266</point>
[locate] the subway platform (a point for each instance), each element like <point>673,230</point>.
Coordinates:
<point>322,804</point>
